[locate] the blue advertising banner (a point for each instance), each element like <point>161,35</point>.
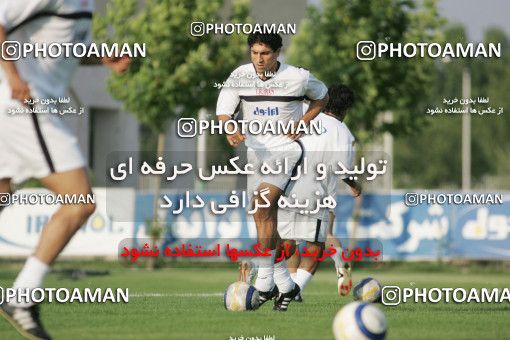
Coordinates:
<point>406,231</point>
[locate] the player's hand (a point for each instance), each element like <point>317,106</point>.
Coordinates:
<point>118,65</point>
<point>236,139</point>
<point>296,136</point>
<point>356,191</point>
<point>20,89</point>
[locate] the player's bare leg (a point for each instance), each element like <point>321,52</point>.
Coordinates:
<point>281,275</point>
<point>293,262</point>
<point>266,223</point>
<point>69,218</point>
<point>24,315</point>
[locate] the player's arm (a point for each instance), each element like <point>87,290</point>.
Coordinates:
<point>332,188</point>
<point>331,240</point>
<point>13,13</point>
<point>19,87</point>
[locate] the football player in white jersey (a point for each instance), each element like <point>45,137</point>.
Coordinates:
<point>41,146</point>
<point>335,144</point>
<point>269,91</point>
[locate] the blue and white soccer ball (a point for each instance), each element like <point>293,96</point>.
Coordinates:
<point>367,290</point>
<point>360,321</point>
<point>240,296</point>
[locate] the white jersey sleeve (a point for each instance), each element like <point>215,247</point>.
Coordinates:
<point>229,98</point>
<point>13,13</point>
<point>315,89</point>
<point>228,101</point>
<point>332,186</point>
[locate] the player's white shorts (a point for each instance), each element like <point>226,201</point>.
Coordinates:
<point>290,154</point>
<point>294,226</point>
<point>34,146</point>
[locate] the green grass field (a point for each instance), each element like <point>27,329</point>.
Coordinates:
<point>186,303</point>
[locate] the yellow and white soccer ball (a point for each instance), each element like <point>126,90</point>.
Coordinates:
<point>360,321</point>
<point>367,290</point>
<point>240,296</point>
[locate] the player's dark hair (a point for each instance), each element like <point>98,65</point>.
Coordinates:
<point>341,98</point>
<point>273,40</point>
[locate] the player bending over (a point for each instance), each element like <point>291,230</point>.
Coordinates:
<point>41,146</point>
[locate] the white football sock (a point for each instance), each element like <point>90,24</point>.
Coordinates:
<point>265,281</point>
<point>282,277</point>
<point>337,257</point>
<point>31,276</point>
<point>303,278</point>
